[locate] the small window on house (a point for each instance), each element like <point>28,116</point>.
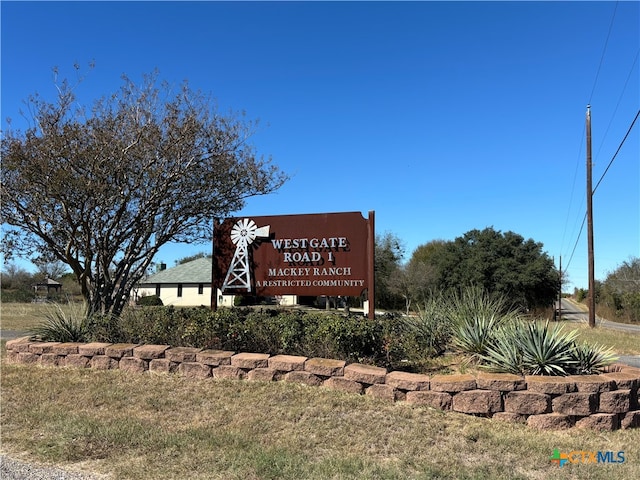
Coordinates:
<point>157,289</point>
<point>200,288</point>
<point>179,289</point>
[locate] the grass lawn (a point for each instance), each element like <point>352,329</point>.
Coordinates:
<point>21,316</point>
<point>168,427</point>
<point>623,343</point>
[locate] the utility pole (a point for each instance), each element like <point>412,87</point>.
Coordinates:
<point>591,300</point>
<point>559,314</point>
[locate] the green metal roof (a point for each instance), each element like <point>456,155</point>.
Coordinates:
<point>196,271</point>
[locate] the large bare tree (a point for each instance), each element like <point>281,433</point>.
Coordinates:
<point>102,189</point>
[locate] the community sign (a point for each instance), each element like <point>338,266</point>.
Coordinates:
<point>314,254</point>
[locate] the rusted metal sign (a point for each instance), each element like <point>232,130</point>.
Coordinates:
<point>315,254</point>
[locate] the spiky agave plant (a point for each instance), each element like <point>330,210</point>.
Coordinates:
<point>592,359</point>
<point>547,351</point>
<point>60,324</point>
<point>476,316</point>
<point>474,335</point>
<point>504,353</point>
<point>534,348</point>
<point>430,328</point>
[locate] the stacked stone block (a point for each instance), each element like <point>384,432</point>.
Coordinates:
<point>602,402</point>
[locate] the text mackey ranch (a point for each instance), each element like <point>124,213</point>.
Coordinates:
<point>306,255</point>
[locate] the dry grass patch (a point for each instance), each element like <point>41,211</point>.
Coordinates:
<point>156,427</point>
<point>21,316</point>
<point>24,316</point>
<point>623,343</point>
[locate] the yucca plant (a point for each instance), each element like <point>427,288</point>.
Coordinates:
<point>475,300</point>
<point>547,351</point>
<point>60,324</point>
<point>475,334</point>
<point>504,353</point>
<point>431,328</point>
<point>535,348</point>
<point>476,316</point>
<point>592,359</point>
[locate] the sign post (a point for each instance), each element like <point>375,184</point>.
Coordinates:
<point>371,252</point>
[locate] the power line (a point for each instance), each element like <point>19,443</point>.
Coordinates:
<point>573,187</point>
<point>599,181</point>
<point>595,82</point>
<point>617,151</point>
<point>604,49</point>
<point>576,244</point>
<point>624,89</point>
<point>616,108</point>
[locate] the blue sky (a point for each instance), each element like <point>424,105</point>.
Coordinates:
<point>442,117</point>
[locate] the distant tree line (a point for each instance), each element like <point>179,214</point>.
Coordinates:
<point>618,295</point>
<point>500,263</point>
<point>18,283</point>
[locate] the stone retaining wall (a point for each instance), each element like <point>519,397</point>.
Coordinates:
<point>603,402</point>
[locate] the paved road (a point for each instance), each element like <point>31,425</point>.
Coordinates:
<point>574,313</point>
<point>11,334</point>
<point>13,469</point>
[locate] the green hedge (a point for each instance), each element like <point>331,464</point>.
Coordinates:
<point>149,301</point>
<point>384,341</point>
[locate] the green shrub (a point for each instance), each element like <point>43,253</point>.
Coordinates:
<point>60,324</point>
<point>259,332</point>
<point>319,334</point>
<point>309,334</point>
<point>292,328</point>
<point>105,328</point>
<point>149,301</point>
<point>580,294</point>
<point>57,297</point>
<point>207,329</point>
<point>397,343</point>
<point>266,330</point>
<point>154,325</point>
<point>353,337</point>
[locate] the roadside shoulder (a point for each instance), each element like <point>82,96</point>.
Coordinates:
<point>14,469</point>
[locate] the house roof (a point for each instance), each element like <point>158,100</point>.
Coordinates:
<point>195,271</point>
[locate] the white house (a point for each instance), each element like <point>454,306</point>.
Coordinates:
<point>189,285</point>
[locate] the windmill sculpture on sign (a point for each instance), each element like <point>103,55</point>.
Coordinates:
<point>243,234</point>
